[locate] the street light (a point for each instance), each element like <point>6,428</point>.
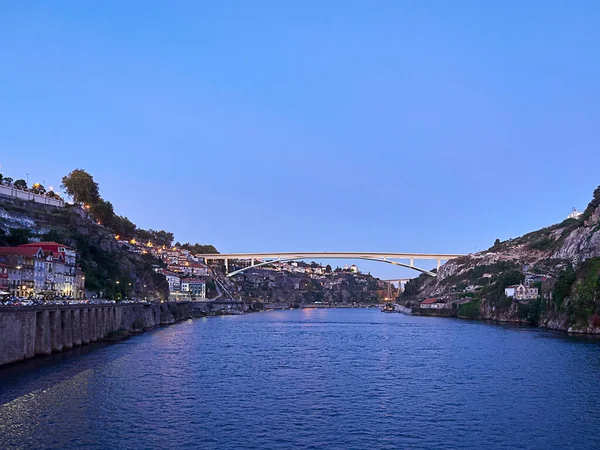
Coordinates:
<point>114,293</point>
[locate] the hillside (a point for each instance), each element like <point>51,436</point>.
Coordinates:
<point>101,259</point>
<point>562,261</point>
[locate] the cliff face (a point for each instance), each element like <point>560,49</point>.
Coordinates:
<point>271,286</point>
<point>561,259</point>
<point>99,255</point>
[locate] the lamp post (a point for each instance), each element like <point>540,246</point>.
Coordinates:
<point>114,290</point>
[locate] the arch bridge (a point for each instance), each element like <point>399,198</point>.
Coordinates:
<point>262,259</point>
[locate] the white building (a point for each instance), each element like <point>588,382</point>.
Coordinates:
<point>194,287</point>
<point>574,214</point>
<point>520,292</point>
<point>433,303</point>
<point>173,280</point>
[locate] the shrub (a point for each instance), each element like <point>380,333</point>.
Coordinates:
<point>563,285</point>
<point>470,310</point>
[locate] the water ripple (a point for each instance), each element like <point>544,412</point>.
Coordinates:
<point>316,379</point>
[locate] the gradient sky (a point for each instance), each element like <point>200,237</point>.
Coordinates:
<point>422,126</point>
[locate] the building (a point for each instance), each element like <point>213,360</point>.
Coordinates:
<point>31,263</point>
<point>433,303</point>
<point>173,280</point>
<point>574,214</point>
<point>44,269</point>
<point>4,277</point>
<point>520,292</point>
<point>15,281</point>
<point>194,287</point>
<point>61,268</point>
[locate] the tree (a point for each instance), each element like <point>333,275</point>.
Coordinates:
<point>8,181</point>
<point>37,188</point>
<point>123,227</point>
<point>81,186</point>
<point>496,242</point>
<point>328,269</point>
<point>53,195</point>
<point>18,236</point>
<point>20,184</point>
<point>103,212</point>
<point>592,205</point>
<point>199,248</point>
<point>163,237</point>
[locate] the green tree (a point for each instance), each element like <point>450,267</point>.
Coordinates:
<point>103,212</point>
<point>18,236</point>
<point>328,269</point>
<point>81,186</point>
<point>496,242</point>
<point>563,285</point>
<point>53,195</point>
<point>592,205</point>
<point>163,237</point>
<point>8,181</point>
<point>20,184</point>
<point>123,227</point>
<point>37,188</point>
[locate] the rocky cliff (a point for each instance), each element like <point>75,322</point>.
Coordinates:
<point>562,261</point>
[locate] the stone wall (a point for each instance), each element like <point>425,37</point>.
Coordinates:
<point>41,330</point>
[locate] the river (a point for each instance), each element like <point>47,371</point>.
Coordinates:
<point>311,379</point>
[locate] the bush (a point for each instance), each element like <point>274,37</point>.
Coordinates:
<point>563,285</point>
<point>543,243</point>
<point>530,312</point>
<point>470,310</point>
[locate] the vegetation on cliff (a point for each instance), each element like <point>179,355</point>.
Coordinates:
<point>562,261</point>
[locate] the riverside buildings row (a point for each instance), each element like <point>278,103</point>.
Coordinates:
<point>41,270</point>
<point>186,274</point>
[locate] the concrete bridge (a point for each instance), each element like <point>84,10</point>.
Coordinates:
<point>263,259</point>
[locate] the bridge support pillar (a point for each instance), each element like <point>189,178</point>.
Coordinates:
<point>439,263</point>
<point>412,262</point>
<point>226,265</point>
<point>252,262</point>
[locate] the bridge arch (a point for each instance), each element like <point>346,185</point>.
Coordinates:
<point>387,261</point>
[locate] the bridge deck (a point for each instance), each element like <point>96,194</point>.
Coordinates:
<point>324,255</point>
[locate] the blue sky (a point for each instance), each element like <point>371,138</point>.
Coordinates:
<point>432,126</point>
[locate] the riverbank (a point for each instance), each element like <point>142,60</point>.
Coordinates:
<point>513,315</point>
<point>30,331</point>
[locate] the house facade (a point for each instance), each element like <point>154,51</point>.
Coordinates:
<point>433,303</point>
<point>521,292</point>
<point>194,287</point>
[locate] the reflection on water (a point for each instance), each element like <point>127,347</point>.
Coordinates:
<point>312,379</point>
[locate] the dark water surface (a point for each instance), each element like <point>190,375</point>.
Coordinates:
<point>321,379</point>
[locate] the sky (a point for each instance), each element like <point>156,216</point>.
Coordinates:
<point>400,126</point>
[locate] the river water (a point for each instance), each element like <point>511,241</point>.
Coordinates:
<point>311,379</point>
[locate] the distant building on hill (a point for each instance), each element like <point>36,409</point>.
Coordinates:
<point>574,214</point>
<point>520,292</point>
<point>433,303</point>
